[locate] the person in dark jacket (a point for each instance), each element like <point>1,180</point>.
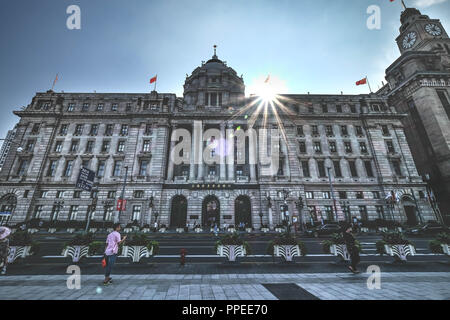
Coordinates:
<point>352,248</point>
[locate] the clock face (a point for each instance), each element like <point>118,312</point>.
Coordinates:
<point>409,40</point>
<point>433,29</point>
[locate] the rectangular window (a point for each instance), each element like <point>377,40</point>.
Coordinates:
<point>121,146</point>
<point>324,108</point>
<point>117,168</point>
<point>143,168</point>
<point>148,130</point>
<point>128,108</point>
<point>326,195</point>
<point>94,130</point>
<point>36,128</point>
<point>105,146</point>
<point>444,100</point>
<point>111,194</point>
<point>315,130</point>
<point>380,212</point>
<point>73,213</point>
<point>344,130</point>
<point>71,107</point>
<point>139,194</point>
<point>359,131</point>
<point>51,168</point>
<point>101,169</point>
<point>136,213</point>
<point>376,194</point>
<point>352,108</point>
<point>338,108</point>
<point>369,171</point>
<point>329,130</point>
<point>305,168</point>
<point>309,195</point>
<point>363,147</point>
<point>329,213</point>
<point>114,107</point>
<point>23,165</point>
<point>146,146</point>
<point>385,130</point>
<point>85,163</point>
<point>342,195</point>
<point>38,212</point>
<point>78,130</point>
<point>74,145</point>
<point>390,146</point>
<point>124,130</point>
<point>85,107</point>
<point>348,147</point>
<point>397,169</point>
<point>58,146</point>
<point>77,194</point>
<point>337,169</point>
<point>359,195</point>
<point>213,99</point>
<point>109,130</point>
<point>30,146</point>
<point>353,170</point>
<point>100,107</point>
<point>68,168</point>
<point>63,129</point>
<point>300,131</point>
<point>317,147</point>
<point>332,145</point>
<point>60,194</point>
<point>90,146</point>
<point>302,146</point>
<point>321,168</point>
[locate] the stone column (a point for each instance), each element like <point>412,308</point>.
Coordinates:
<point>200,148</point>
<point>172,146</point>
<point>230,151</point>
<point>222,154</point>
<point>287,171</point>
<point>252,141</point>
<point>192,155</point>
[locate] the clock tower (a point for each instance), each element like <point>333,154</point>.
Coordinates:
<point>419,87</point>
<point>419,32</point>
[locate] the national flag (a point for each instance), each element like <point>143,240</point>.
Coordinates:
<point>361,82</point>
<point>268,79</point>
<point>153,80</point>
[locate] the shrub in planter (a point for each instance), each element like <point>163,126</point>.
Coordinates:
<point>139,246</point>
<point>337,246</point>
<point>395,245</point>
<point>78,247</point>
<point>21,245</point>
<point>287,247</point>
<point>97,248</point>
<point>440,244</point>
<point>232,246</point>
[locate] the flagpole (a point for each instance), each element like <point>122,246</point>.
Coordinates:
<point>368,83</point>
<point>156,82</point>
<point>403,3</point>
<point>54,82</point>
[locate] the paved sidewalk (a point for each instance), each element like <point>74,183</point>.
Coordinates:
<point>341,286</point>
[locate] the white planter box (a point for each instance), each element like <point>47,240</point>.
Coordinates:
<point>92,230</point>
<point>340,250</point>
<point>445,249</point>
<point>265,230</point>
<point>127,230</point>
<point>365,230</point>
<point>76,252</point>
<point>401,251</point>
<point>109,230</point>
<point>162,230</point>
<point>249,230</point>
<point>180,230</point>
<point>31,231</point>
<point>198,230</point>
<point>231,252</point>
<point>136,253</point>
<point>287,252</point>
<point>279,230</point>
<point>51,230</point>
<point>146,230</point>
<point>231,230</point>
<point>383,229</point>
<point>16,252</point>
<point>71,230</point>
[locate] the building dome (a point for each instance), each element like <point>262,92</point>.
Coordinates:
<point>213,84</point>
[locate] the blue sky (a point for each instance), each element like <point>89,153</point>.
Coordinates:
<point>316,46</point>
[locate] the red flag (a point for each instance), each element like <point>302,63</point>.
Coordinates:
<point>152,80</point>
<point>362,81</point>
<point>268,79</point>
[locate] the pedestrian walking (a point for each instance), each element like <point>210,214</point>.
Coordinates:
<point>351,248</point>
<point>4,248</point>
<point>112,248</point>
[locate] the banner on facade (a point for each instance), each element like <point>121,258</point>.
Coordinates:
<point>85,179</point>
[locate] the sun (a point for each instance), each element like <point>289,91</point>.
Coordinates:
<point>267,88</point>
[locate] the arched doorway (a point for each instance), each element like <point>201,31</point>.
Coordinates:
<point>178,213</point>
<point>410,210</point>
<point>211,212</point>
<point>242,211</point>
<point>7,205</point>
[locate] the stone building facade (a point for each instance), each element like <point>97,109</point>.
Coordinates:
<point>419,86</point>
<point>357,142</point>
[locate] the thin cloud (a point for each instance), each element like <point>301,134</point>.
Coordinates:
<point>427,3</point>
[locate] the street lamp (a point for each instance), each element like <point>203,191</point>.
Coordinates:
<point>286,220</point>
<point>150,205</point>
<point>345,205</point>
<point>269,205</point>
<point>58,205</point>
<point>332,193</point>
<point>261,217</point>
<point>300,205</point>
<point>93,208</point>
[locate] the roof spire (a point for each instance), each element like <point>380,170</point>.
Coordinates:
<point>215,53</point>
